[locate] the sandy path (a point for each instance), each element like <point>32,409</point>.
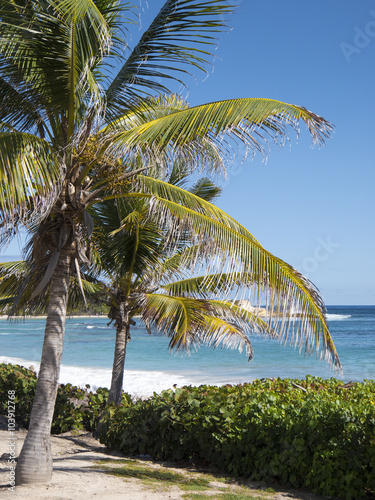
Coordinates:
<point>73,478</point>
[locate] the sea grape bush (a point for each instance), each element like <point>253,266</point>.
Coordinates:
<point>312,433</point>
<point>75,408</point>
<point>23,382</point>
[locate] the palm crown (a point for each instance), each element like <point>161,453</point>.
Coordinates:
<point>56,98</point>
<point>143,263</point>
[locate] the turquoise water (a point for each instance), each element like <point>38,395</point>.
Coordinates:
<point>89,344</point>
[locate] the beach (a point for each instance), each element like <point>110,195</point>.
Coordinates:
<point>150,367</point>
<point>72,477</point>
<point>88,357</point>
<point>75,455</point>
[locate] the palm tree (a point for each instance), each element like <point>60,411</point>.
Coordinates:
<point>140,264</point>
<point>69,134</point>
<point>153,277</point>
<point>148,277</point>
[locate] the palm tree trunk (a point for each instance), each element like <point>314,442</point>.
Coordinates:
<point>122,334</point>
<point>35,461</point>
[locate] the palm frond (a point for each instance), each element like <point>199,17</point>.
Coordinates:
<point>124,230</point>
<point>265,277</point>
<point>226,124</point>
<point>37,67</point>
<point>221,333</point>
<point>204,188</point>
<point>91,289</point>
<point>11,276</point>
<point>16,267</point>
<point>17,109</point>
<point>191,323</point>
<point>178,37</point>
<point>248,319</point>
<point>269,279</point>
<point>188,323</point>
<point>88,40</point>
<point>202,151</point>
<point>175,264</point>
<point>207,285</point>
<point>20,279</point>
<point>165,192</point>
<point>69,38</point>
<point>28,169</point>
<point>177,317</point>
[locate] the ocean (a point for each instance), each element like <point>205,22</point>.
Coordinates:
<point>150,367</point>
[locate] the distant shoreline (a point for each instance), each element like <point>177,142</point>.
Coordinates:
<point>45,316</point>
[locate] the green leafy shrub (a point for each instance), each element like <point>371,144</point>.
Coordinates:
<point>23,382</point>
<point>75,408</point>
<point>312,433</point>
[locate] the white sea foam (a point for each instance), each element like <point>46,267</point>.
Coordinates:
<point>337,317</point>
<point>137,383</point>
<point>19,361</point>
<point>140,384</point>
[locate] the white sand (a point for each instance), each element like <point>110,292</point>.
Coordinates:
<point>72,477</point>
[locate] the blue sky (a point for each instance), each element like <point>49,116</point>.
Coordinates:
<point>314,208</point>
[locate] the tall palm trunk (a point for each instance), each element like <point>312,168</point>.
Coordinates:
<point>35,461</point>
<point>122,335</point>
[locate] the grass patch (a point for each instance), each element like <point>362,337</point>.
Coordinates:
<point>124,461</point>
<point>165,477</point>
<point>162,477</point>
<point>225,496</point>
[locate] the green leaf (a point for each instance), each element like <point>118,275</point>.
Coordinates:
<point>176,40</point>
